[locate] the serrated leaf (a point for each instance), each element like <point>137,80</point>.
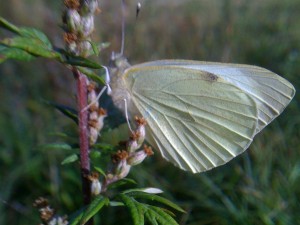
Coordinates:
<point>14,53</point>
<point>138,219</point>
<point>60,146</point>
<point>91,74</point>
<point>70,159</point>
<point>149,190</point>
<point>157,199</point>
<point>80,61</point>
<point>140,211</point>
<point>95,206</point>
<point>151,217</point>
<point>32,46</point>
<point>161,216</point>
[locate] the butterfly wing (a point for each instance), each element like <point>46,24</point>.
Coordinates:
<point>196,119</point>
<point>271,92</point>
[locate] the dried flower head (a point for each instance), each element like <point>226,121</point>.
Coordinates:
<point>119,156</point>
<point>72,4</point>
<point>95,183</point>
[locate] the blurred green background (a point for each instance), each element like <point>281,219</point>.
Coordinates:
<point>261,186</point>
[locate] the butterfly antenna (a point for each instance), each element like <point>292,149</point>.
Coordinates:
<point>123,28</point>
<point>138,9</point>
<point>96,100</point>
<point>107,81</point>
<point>126,115</point>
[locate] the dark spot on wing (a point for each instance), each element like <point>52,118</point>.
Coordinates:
<point>211,77</point>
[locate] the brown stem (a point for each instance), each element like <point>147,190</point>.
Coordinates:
<point>83,136</point>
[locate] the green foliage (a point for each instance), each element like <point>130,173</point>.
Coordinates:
<point>30,41</point>
<point>141,211</point>
<point>90,211</point>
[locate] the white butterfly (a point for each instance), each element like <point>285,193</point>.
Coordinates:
<point>200,115</point>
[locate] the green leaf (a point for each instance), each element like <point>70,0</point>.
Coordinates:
<point>135,210</point>
<point>121,182</point>
<point>104,148</point>
<point>26,32</point>
<point>145,190</point>
<point>151,217</point>
<point>32,46</point>
<point>141,211</point>
<point>115,204</point>
<point>9,26</point>
<point>70,159</point>
<point>157,199</point>
<point>80,61</point>
<point>76,217</point>
<point>97,48</point>
<point>95,206</point>
<point>161,216</point>
<point>98,169</point>
<point>95,155</point>
<point>66,110</point>
<point>62,135</point>
<point>14,53</point>
<point>91,74</point>
<point>60,146</point>
<point>36,34</point>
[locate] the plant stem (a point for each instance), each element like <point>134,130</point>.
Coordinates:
<point>83,136</point>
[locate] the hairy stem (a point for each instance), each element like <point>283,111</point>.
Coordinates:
<point>83,135</point>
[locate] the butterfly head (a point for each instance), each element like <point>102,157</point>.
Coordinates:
<point>117,66</point>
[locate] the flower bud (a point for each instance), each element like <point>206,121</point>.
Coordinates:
<point>141,123</point>
<point>95,183</point>
<point>138,157</point>
<point>58,221</point>
<point>93,135</point>
<point>88,7</point>
<point>72,20</point>
<point>133,144</point>
<point>87,26</point>
<point>93,115</point>
<point>100,123</point>
<point>72,48</point>
<point>84,48</point>
<point>122,169</point>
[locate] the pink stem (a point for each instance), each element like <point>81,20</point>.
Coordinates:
<point>83,134</point>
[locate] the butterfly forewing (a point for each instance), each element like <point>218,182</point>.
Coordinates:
<point>271,92</point>
<point>197,119</point>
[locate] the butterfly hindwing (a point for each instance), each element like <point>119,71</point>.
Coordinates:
<point>197,119</point>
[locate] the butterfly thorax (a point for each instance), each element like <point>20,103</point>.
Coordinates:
<point>119,93</point>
